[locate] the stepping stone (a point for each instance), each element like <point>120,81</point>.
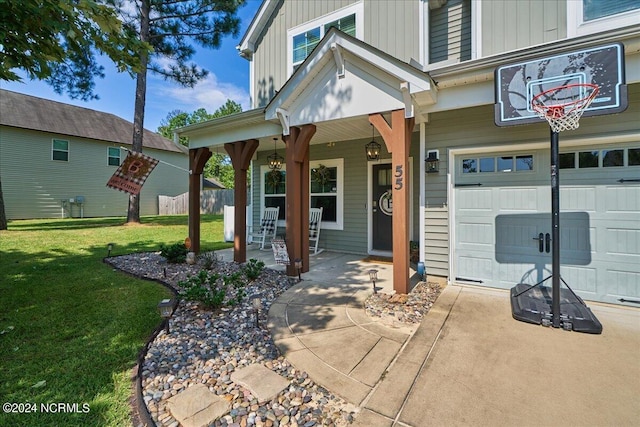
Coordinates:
<point>262,382</point>
<point>197,406</point>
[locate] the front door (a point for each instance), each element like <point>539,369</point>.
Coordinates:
<point>382,208</point>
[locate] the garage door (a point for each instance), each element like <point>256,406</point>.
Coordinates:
<point>503,223</point>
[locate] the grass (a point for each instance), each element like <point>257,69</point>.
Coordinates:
<point>70,326</point>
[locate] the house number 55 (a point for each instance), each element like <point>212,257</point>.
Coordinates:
<point>399,175</point>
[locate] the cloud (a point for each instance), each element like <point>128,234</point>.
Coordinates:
<point>209,93</point>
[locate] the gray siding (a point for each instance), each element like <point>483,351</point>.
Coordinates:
<point>508,25</point>
<point>393,27</point>
<point>450,32</point>
<point>382,18</point>
<point>353,237</point>
<point>436,257</point>
<point>33,185</point>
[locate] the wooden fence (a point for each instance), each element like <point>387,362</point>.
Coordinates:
<point>211,202</point>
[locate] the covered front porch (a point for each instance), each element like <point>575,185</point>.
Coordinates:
<point>344,95</point>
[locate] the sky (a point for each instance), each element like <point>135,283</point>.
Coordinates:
<point>228,79</point>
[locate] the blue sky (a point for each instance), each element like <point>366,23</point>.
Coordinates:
<point>228,79</point>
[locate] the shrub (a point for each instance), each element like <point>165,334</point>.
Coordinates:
<point>213,290</point>
<point>175,253</point>
<point>253,269</point>
<point>209,260</point>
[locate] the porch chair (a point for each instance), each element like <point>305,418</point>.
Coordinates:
<point>315,221</point>
<point>268,226</point>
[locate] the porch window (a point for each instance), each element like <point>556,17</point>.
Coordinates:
<point>113,156</point>
<point>60,150</point>
<point>304,38</point>
<point>326,179</point>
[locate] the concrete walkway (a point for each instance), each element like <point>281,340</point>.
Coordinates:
<point>468,363</point>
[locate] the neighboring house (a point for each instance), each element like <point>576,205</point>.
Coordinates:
<point>328,69</point>
<point>56,159</point>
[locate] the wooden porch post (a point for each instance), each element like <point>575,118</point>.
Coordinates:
<point>197,159</point>
<point>297,184</point>
<point>397,138</point>
<point>240,153</point>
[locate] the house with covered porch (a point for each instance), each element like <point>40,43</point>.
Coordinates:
<point>418,77</point>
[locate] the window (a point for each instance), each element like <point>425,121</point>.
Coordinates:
<point>498,163</point>
<point>326,179</point>
<point>634,156</point>
<point>113,156</point>
<point>304,38</point>
<point>567,160</point>
<point>612,158</point>
<point>592,16</point>
<point>60,150</point>
<point>588,159</point>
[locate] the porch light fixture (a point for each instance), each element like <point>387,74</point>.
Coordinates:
<point>432,161</point>
<point>373,148</point>
<point>298,265</point>
<point>373,276</point>
<point>275,160</point>
<point>166,310</point>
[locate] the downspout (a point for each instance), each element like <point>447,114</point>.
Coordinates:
<point>421,238</point>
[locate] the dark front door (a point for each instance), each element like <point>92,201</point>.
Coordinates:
<point>382,206</point>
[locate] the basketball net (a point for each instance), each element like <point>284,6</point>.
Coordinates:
<point>563,106</point>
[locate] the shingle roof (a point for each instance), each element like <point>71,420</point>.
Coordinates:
<point>30,112</point>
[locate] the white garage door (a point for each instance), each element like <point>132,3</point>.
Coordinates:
<point>503,221</point>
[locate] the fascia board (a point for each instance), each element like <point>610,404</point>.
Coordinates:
<point>259,21</point>
<point>239,133</point>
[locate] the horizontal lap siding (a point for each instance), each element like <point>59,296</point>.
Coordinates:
<point>34,185</point>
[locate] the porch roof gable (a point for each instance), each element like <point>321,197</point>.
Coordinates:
<point>343,78</point>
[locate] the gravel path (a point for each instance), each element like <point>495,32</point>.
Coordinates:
<point>205,346</point>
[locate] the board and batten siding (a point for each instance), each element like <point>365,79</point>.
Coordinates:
<point>34,185</point>
<point>509,25</point>
<point>353,238</point>
<point>382,19</point>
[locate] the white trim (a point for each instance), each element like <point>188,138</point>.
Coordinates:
<point>370,165</point>
<point>476,29</point>
<point>422,230</point>
<point>252,89</point>
<point>356,8</point>
<point>339,164</point>
<point>339,194</point>
<point>577,27</point>
<point>119,156</point>
<point>61,151</point>
<point>423,30</point>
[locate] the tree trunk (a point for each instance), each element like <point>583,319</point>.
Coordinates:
<point>133,214</point>
<point>3,216</point>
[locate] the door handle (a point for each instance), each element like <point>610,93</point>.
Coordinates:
<point>548,242</point>
<point>540,240</point>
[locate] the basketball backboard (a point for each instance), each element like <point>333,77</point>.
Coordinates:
<point>517,84</point>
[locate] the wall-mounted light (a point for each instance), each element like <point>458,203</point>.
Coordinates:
<point>275,160</point>
<point>432,161</point>
<point>373,148</point>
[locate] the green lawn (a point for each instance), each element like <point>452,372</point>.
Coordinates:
<point>70,327</point>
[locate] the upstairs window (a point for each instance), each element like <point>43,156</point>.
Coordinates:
<point>60,150</point>
<point>593,16</point>
<point>304,38</point>
<point>113,156</point>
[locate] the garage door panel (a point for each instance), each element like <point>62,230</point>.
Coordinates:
<point>599,229</point>
<point>517,199</point>
<point>623,284</point>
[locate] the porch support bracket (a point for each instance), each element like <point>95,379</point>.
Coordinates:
<point>283,116</point>
<point>241,153</point>
<point>197,159</point>
<point>297,195</point>
<point>397,138</point>
<point>408,101</point>
<point>337,57</point>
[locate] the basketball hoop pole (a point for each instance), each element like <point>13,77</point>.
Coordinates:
<point>555,228</point>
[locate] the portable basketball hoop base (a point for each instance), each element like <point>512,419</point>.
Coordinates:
<point>562,107</point>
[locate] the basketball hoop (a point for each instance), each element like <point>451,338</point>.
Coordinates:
<point>563,106</point>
